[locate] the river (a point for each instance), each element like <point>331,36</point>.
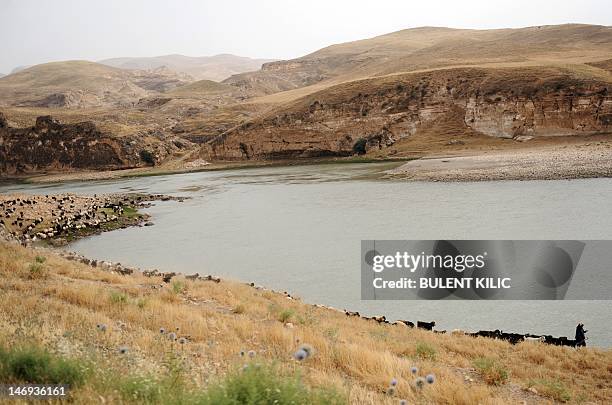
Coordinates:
<point>299,228</point>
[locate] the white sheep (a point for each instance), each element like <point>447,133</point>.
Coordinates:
<point>541,339</point>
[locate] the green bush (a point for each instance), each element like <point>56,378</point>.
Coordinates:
<point>285,315</point>
<point>281,314</point>
<point>425,351</point>
<point>178,286</point>
<point>37,270</point>
<point>139,389</point>
<point>32,365</point>
<point>40,259</point>
<point>142,303</point>
<point>264,385</point>
<point>117,297</point>
<point>492,372</point>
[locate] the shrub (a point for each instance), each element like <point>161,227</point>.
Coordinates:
<point>258,384</point>
<point>239,309</point>
<point>360,146</point>
<point>178,287</point>
<point>492,372</point>
<point>118,297</point>
<point>141,303</point>
<point>32,365</point>
<point>425,351</point>
<point>147,157</point>
<point>139,389</point>
<point>551,388</point>
<point>40,259</point>
<point>37,271</point>
<point>285,315</point>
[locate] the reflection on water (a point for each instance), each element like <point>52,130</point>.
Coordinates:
<point>299,229</point>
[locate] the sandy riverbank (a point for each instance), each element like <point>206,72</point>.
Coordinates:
<point>544,163</point>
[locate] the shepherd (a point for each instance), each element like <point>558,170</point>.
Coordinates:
<point>580,335</point>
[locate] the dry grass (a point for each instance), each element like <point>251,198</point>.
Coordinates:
<point>358,357</point>
<point>430,48</point>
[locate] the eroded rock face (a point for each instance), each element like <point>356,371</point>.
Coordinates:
<point>289,74</point>
<point>506,103</point>
<point>553,114</point>
<point>67,99</point>
<point>51,145</point>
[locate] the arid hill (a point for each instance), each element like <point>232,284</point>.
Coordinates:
<point>217,68</point>
<point>75,84</point>
<point>374,114</point>
<point>429,48</point>
<point>367,95</point>
<point>412,93</point>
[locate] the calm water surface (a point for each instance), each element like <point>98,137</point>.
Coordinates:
<point>299,229</point>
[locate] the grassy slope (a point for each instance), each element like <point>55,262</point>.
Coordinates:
<point>59,306</point>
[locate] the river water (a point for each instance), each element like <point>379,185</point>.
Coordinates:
<point>299,228</point>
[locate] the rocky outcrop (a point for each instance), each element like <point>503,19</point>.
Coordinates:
<point>52,146</point>
<point>355,117</point>
<point>550,115</point>
<point>66,99</point>
<point>290,74</point>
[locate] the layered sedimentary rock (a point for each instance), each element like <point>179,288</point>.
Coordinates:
<point>375,113</point>
<point>550,115</point>
<point>290,74</point>
<point>51,145</point>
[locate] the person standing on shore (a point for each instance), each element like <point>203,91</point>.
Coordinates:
<point>580,335</point>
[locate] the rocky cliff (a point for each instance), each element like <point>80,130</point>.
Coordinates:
<point>52,146</point>
<point>370,114</point>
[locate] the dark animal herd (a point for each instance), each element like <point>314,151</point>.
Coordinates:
<point>513,338</point>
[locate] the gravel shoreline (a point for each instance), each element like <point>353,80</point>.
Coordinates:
<point>60,218</point>
<point>562,162</point>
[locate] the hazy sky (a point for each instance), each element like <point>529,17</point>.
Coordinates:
<point>36,31</point>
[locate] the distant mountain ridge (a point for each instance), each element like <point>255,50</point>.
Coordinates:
<point>427,48</point>
<point>216,68</point>
<point>405,93</point>
<point>84,84</point>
